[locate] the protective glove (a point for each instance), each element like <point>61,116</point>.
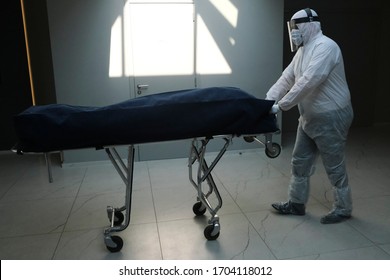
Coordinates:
<point>274,109</point>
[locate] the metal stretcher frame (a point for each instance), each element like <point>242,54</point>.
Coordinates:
<point>119,217</point>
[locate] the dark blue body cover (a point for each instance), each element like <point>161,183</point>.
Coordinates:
<point>160,117</point>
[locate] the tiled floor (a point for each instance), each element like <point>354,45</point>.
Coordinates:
<point>65,219</point>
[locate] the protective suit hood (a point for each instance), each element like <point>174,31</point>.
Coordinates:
<point>308,24</point>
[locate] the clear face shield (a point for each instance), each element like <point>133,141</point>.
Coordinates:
<point>294,34</point>
<point>290,27</point>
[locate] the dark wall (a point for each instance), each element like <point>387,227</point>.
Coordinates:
<point>40,51</point>
<point>356,25</point>
<point>14,79</point>
<point>15,90</point>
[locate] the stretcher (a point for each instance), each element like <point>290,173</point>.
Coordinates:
<point>199,114</point>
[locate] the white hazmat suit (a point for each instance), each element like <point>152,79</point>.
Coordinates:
<point>315,81</point>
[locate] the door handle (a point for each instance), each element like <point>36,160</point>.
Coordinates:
<point>141,87</point>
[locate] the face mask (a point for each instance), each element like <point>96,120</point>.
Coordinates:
<point>296,37</point>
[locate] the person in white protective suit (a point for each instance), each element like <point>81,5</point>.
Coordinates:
<point>315,81</point>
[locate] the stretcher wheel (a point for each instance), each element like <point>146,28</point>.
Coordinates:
<point>249,139</point>
<point>208,233</point>
<point>118,242</point>
<point>199,209</point>
<point>275,152</point>
<point>119,218</point>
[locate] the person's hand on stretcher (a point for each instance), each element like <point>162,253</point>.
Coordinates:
<point>274,109</point>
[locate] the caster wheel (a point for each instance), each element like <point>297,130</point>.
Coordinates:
<point>275,152</point>
<point>119,218</point>
<point>118,242</point>
<point>199,209</point>
<point>249,139</point>
<point>208,233</point>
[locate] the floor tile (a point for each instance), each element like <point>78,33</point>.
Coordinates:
<point>294,236</point>
<point>365,253</point>
<point>184,239</point>
<point>30,247</point>
<point>34,217</point>
<point>371,217</point>
<point>140,242</point>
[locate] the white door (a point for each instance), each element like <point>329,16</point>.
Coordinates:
<point>160,57</point>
